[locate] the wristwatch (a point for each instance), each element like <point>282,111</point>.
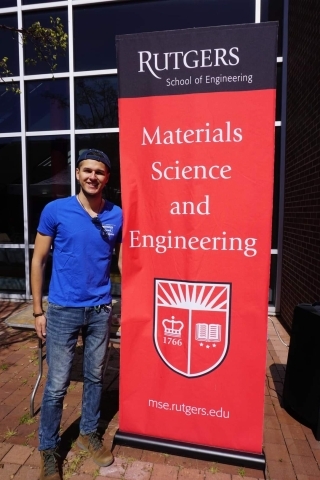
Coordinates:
<point>38,314</point>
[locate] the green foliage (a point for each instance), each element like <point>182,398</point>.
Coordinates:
<point>71,466</point>
<point>96,473</point>
<point>241,472</point>
<point>4,67</point>
<point>29,437</point>
<point>48,44</point>
<point>9,433</point>
<point>4,366</point>
<point>213,469</point>
<point>27,420</point>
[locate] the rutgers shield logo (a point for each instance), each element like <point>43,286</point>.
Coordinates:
<point>191,325</point>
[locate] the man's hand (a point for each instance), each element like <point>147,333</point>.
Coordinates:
<point>40,325</point>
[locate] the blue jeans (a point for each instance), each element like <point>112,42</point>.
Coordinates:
<point>63,326</point>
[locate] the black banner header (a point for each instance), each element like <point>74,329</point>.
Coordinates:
<point>196,60</point>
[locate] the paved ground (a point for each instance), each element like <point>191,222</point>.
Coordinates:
<point>292,453</point>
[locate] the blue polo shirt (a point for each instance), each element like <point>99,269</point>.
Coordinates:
<point>82,251</point>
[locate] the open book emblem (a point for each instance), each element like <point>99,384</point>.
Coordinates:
<point>208,333</point>
<point>191,325</point>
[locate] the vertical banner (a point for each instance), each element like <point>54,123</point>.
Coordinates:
<point>197,123</point>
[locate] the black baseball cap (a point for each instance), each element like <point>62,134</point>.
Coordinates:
<point>93,154</point>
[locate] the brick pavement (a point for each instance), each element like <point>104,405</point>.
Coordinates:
<point>292,453</point>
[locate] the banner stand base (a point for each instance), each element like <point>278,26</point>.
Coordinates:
<point>233,457</point>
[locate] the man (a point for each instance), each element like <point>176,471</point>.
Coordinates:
<point>83,231</point>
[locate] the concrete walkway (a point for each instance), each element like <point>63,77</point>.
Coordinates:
<point>292,453</point>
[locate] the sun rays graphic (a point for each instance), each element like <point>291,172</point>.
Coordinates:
<point>196,296</point>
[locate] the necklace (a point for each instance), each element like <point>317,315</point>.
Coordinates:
<point>86,210</point>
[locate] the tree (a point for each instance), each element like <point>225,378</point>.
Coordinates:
<point>97,103</point>
<point>48,43</point>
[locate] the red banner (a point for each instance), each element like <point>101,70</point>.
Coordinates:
<point>197,122</point>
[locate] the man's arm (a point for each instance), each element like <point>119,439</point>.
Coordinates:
<point>118,249</point>
<point>42,247</point>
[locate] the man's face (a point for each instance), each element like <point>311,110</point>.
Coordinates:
<point>92,176</point>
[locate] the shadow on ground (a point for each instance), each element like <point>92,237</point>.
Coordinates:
<point>277,371</point>
<point>8,336</point>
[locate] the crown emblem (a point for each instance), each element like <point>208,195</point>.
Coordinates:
<point>172,327</point>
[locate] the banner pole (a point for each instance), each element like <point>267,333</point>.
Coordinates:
<point>231,457</point>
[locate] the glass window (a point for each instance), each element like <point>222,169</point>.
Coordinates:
<point>108,143</point>
<point>8,3</point>
<point>30,2</point>
<point>9,110</point>
<point>48,169</point>
<point>11,200</point>
<point>43,16</point>
<point>48,105</point>
<point>272,11</point>
<point>96,49</point>
<point>273,279</point>
<point>12,270</point>
<point>9,43</point>
<point>96,102</point>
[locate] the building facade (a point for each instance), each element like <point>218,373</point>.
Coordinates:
<point>43,129</point>
<point>300,278</point>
